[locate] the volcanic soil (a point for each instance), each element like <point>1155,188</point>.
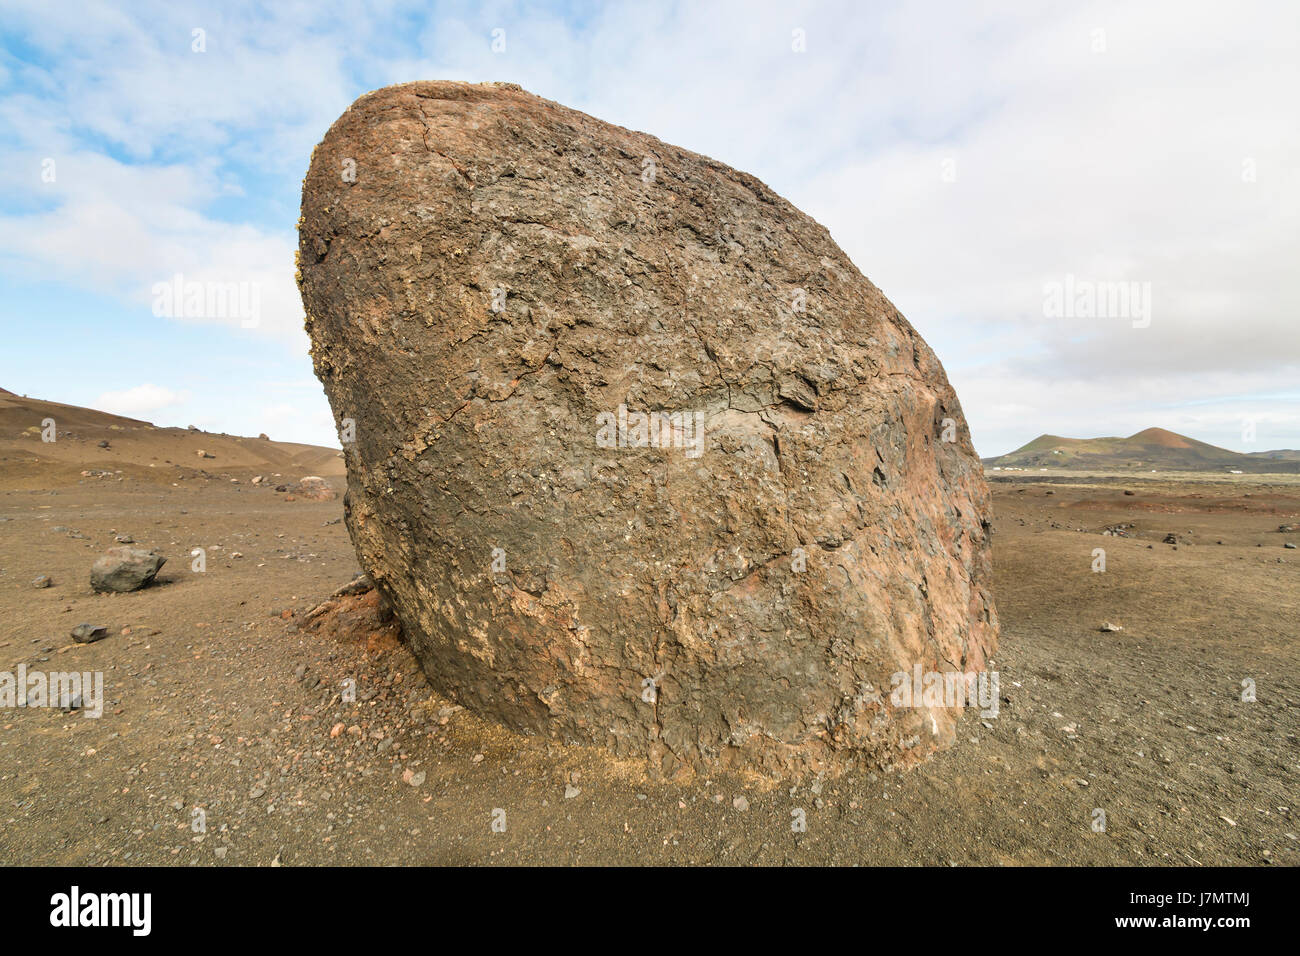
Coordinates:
<point>231,736</point>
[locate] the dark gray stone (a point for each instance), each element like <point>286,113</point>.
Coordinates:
<point>89,633</point>
<point>125,569</point>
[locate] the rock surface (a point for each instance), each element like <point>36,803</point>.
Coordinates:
<point>495,287</point>
<point>125,569</point>
<point>314,489</point>
<point>89,633</point>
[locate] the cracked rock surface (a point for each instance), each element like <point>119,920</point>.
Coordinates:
<point>490,279</point>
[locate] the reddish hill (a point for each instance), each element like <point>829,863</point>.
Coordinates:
<point>1162,438</point>
<point>90,440</point>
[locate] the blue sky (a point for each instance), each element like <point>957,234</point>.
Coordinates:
<point>968,157</point>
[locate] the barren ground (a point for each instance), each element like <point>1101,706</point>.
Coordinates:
<point>222,697</point>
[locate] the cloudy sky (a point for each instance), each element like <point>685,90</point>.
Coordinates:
<point>988,165</point>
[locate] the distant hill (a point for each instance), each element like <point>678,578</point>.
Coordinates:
<point>1280,454</point>
<point>1153,448</point>
<point>86,439</point>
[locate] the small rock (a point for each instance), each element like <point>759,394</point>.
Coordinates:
<point>89,633</point>
<point>570,791</point>
<point>740,803</point>
<point>43,581</point>
<point>125,569</point>
<point>314,489</point>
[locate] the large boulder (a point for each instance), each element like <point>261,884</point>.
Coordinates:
<point>498,290</point>
<point>125,569</point>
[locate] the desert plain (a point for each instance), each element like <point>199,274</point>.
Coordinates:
<point>252,719</point>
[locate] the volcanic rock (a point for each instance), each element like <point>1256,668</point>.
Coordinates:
<point>314,489</point>
<point>125,569</point>
<point>498,290</point>
<point>89,633</point>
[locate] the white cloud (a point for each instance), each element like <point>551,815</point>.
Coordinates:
<point>141,401</point>
<point>1112,156</point>
<point>1124,164</point>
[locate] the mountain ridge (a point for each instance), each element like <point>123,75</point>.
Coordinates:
<point>1154,448</point>
<point>104,443</point>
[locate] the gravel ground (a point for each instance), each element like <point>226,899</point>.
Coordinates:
<point>230,735</point>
